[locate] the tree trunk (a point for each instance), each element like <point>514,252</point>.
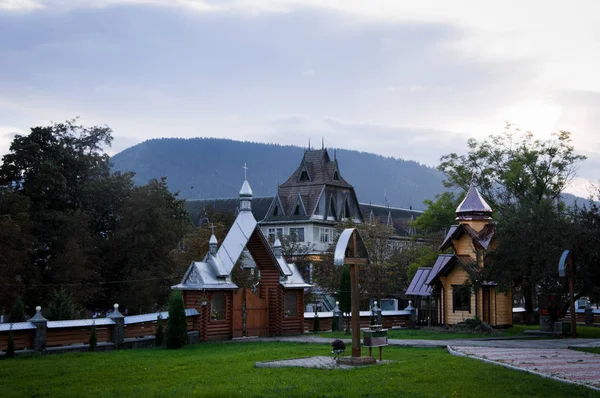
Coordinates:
<point>528,294</point>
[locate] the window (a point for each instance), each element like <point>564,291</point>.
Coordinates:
<point>279,233</point>
<point>271,235</point>
<point>347,210</point>
<point>291,300</point>
<point>461,298</point>
<point>304,176</point>
<point>324,235</point>
<point>331,209</point>
<point>297,210</point>
<point>297,234</point>
<point>218,306</point>
<point>336,176</point>
<point>276,211</point>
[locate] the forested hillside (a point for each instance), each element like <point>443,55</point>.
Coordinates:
<point>211,168</point>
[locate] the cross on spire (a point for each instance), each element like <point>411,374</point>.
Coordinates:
<point>212,227</point>
<point>245,171</point>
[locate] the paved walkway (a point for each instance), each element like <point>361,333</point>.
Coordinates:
<point>562,364</point>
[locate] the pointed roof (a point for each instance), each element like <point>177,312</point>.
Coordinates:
<point>246,190</point>
<point>473,206</point>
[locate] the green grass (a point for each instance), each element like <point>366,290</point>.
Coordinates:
<point>227,369</point>
<point>587,332</point>
<point>593,350</point>
<point>412,334</point>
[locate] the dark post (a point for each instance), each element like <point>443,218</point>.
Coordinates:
<point>338,319</point>
<point>39,341</point>
<point>355,310</point>
<point>118,334</point>
<point>573,314</point>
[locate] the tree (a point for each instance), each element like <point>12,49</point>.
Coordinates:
<point>585,245</point>
<point>10,347</point>
<point>62,306</point>
<point>176,324</point>
<point>439,215</point>
<point>522,178</point>
<point>160,334</point>
<point>514,168</point>
<point>93,341</point>
<point>17,314</point>
<point>345,296</point>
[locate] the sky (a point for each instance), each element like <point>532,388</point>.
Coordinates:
<point>408,79</point>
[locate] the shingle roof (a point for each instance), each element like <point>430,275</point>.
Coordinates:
<point>482,238</point>
<point>198,208</point>
<point>399,217</point>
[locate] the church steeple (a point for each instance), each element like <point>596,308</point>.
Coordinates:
<point>473,206</point>
<point>245,193</point>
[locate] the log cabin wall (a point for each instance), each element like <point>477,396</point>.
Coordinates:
<point>456,277</point>
<point>76,335</point>
<point>292,325</point>
<point>503,309</point>
<point>23,339</point>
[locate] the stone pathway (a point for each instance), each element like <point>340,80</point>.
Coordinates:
<point>562,364</point>
<point>319,362</point>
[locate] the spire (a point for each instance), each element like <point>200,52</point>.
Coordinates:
<point>245,193</point>
<point>277,248</point>
<point>212,243</point>
<point>473,206</point>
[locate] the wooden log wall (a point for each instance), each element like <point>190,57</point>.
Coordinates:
<point>292,325</point>
<point>23,339</point>
<point>76,335</point>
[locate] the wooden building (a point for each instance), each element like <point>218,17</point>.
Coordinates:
<point>272,306</point>
<point>448,280</point>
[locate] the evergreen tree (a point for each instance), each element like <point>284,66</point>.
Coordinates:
<point>344,294</point>
<point>160,334</point>
<point>62,306</point>
<point>176,325</point>
<point>10,348</point>
<point>93,340</point>
<point>17,314</point>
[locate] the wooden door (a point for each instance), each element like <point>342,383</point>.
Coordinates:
<point>256,315</point>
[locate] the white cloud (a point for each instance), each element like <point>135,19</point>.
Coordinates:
<point>20,5</point>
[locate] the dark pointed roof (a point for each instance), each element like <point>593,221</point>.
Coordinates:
<point>320,169</point>
<point>481,239</point>
<point>473,206</point>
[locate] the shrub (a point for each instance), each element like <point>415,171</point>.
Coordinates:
<point>176,336</point>
<point>62,306</point>
<point>10,349</point>
<point>160,334</point>
<point>93,340</point>
<point>316,324</point>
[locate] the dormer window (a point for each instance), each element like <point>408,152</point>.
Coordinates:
<point>336,176</point>
<point>297,210</point>
<point>304,176</point>
<point>276,211</point>
<point>331,209</point>
<point>346,210</point>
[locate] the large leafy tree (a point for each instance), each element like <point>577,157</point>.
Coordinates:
<point>69,224</point>
<point>522,178</point>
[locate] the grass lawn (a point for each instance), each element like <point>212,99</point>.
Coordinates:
<point>588,332</point>
<point>227,369</point>
<point>593,350</point>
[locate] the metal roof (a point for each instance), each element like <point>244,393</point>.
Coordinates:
<point>5,327</point>
<point>80,323</point>
<point>151,317</point>
<point>200,275</point>
<point>473,203</point>
<point>438,266</point>
<point>246,190</point>
<point>235,242</point>
<point>417,286</point>
<point>295,280</point>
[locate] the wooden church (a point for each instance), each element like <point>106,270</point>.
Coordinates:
<point>272,305</point>
<point>447,281</point>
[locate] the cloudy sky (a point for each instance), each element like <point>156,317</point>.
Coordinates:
<point>409,79</point>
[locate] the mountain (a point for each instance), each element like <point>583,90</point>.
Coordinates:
<point>203,168</point>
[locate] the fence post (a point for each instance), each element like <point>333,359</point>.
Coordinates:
<point>118,334</point>
<point>40,323</point>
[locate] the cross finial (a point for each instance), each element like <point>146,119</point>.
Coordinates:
<point>245,171</point>
<point>212,227</point>
<point>473,176</point>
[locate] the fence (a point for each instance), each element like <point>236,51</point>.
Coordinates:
<point>389,320</point>
<point>39,334</point>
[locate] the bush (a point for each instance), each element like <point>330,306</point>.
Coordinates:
<point>176,325</point>
<point>17,314</point>
<point>10,349</point>
<point>62,306</point>
<point>475,325</point>
<point>160,334</point>
<point>93,340</point>
<point>316,324</point>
